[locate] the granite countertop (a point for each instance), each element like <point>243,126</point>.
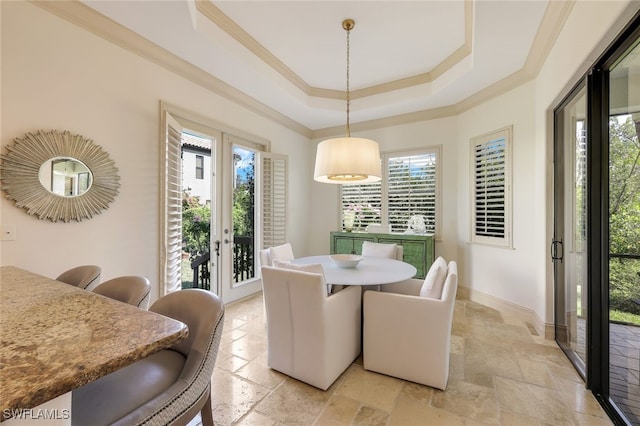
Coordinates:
<point>55,337</point>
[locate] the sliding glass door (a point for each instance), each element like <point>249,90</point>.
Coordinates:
<point>570,233</point>
<point>624,232</point>
<point>596,246</point>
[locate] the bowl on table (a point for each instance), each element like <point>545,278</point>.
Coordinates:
<point>346,260</point>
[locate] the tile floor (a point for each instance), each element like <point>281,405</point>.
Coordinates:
<point>500,374</point>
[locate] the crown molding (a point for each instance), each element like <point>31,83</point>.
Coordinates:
<point>96,23</point>
<point>217,17</point>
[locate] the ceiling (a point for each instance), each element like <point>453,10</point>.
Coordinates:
<point>406,57</point>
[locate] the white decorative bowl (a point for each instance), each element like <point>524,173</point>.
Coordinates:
<point>346,260</point>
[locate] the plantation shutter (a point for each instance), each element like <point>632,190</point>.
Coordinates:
<point>411,181</point>
<point>365,200</point>
<point>491,198</point>
<point>274,199</point>
<point>171,205</point>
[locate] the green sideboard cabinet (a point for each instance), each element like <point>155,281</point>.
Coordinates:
<point>418,250</point>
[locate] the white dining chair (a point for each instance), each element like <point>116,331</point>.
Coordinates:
<point>281,252</point>
<point>310,337</point>
<point>407,327</point>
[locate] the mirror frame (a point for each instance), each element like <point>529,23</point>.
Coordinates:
<point>20,175</point>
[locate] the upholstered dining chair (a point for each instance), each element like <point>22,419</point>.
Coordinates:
<point>86,276</point>
<point>263,255</point>
<point>281,252</point>
<point>168,387</point>
<point>131,289</point>
<point>311,337</point>
<point>387,250</point>
<point>407,326</point>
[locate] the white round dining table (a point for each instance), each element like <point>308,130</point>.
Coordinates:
<point>370,270</point>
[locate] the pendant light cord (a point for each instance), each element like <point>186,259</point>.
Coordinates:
<point>348,28</point>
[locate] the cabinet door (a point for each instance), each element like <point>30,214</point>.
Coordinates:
<point>348,243</point>
<point>342,245</point>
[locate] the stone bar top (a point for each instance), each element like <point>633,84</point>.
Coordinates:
<point>55,337</point>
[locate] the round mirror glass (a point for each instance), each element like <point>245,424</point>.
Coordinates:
<point>65,176</point>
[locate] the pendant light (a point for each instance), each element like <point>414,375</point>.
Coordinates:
<point>347,159</point>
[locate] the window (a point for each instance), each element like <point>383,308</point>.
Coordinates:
<point>491,188</point>
<point>199,167</point>
<point>410,187</point>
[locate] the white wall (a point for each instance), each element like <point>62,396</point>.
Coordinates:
<point>56,75</point>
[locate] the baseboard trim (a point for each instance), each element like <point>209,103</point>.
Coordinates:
<point>510,308</point>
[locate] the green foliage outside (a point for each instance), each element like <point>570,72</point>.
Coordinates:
<point>624,220</point>
<point>196,223</point>
<point>243,200</point>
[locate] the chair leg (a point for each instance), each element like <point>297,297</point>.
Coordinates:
<point>206,413</point>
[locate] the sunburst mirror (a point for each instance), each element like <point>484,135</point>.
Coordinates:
<point>56,175</point>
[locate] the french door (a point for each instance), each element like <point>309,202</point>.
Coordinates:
<point>223,198</point>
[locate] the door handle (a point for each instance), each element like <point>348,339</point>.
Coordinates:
<point>555,244</point>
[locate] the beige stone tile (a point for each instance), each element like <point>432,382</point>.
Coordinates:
<point>416,392</point>
<point>257,371</point>
<point>537,373</point>
<point>248,347</point>
<point>532,400</point>
<point>536,352</point>
<point>233,397</point>
<point>339,411</point>
<point>231,323</point>
<point>256,419</point>
<point>481,312</point>
<point>576,397</point>
<point>457,345</point>
<point>255,326</point>
<point>294,402</point>
<point>369,416</point>
<point>468,400</point>
<point>230,363</point>
<point>586,420</point>
<point>509,418</point>
<point>565,372</point>
<point>231,335</point>
<point>499,374</point>
<point>483,361</point>
<point>374,390</point>
<point>409,412</point>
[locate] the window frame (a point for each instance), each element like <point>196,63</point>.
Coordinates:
<point>199,164</point>
<point>384,184</point>
<point>506,241</point>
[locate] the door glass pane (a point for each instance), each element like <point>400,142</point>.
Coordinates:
<point>196,211</point>
<point>624,234</point>
<point>570,233</point>
<point>244,166</point>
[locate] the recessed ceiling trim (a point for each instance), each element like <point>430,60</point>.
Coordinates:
<point>411,117</point>
<point>219,18</point>
<point>104,27</point>
<point>555,16</point>
<point>91,20</point>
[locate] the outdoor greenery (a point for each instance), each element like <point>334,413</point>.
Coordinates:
<point>196,222</point>
<point>624,219</point>
<point>243,199</point>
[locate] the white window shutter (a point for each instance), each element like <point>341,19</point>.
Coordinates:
<point>274,187</point>
<point>411,183</point>
<point>171,205</point>
<point>491,188</point>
